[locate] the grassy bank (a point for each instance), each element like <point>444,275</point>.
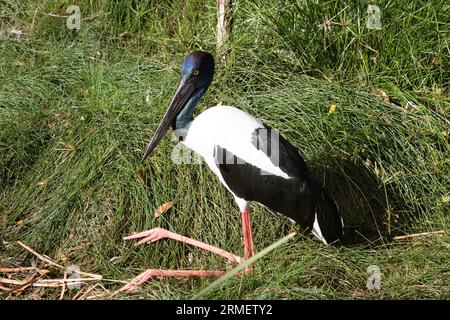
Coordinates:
<point>78,107</point>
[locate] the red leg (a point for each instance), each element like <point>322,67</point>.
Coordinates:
<point>249,249</point>
<point>156,234</point>
<point>159,233</point>
<point>159,273</point>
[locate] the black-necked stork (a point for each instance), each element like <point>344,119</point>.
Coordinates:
<point>250,159</point>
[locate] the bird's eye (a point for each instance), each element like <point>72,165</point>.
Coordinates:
<point>196,72</point>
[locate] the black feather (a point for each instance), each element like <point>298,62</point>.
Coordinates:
<point>300,197</point>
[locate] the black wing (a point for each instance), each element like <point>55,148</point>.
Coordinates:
<point>282,154</point>
<point>299,198</point>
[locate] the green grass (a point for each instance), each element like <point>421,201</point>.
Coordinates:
<point>78,107</point>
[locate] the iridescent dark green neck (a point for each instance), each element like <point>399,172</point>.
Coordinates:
<point>186,115</point>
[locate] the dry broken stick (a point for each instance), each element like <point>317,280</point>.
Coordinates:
<point>57,265</point>
<point>41,257</point>
<point>45,282</point>
<point>61,282</point>
<point>34,279</point>
<point>27,282</point>
<point>21,269</point>
<point>37,273</point>
<point>63,289</point>
<point>415,235</point>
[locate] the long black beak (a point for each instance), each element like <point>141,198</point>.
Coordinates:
<point>184,92</point>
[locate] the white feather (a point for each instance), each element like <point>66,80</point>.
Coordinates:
<point>316,230</point>
<point>232,129</point>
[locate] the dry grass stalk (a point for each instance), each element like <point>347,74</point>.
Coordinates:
<point>415,235</point>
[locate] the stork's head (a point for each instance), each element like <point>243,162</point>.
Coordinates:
<point>197,71</point>
<point>198,67</point>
